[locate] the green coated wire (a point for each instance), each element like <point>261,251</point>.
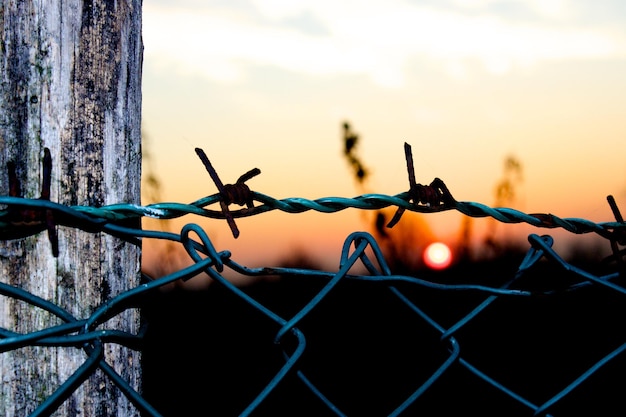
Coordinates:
<point>113,219</point>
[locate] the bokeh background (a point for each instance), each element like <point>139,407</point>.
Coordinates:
<point>514,103</point>
<point>518,104</point>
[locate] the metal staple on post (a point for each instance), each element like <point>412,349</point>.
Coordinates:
<point>28,221</point>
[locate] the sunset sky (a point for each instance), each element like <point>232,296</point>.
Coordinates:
<point>467,83</point>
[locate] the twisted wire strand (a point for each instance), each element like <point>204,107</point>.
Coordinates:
<point>95,217</point>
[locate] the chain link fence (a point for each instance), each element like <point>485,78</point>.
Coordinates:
<point>535,335</point>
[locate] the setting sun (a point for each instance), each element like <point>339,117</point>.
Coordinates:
<point>437,255</point>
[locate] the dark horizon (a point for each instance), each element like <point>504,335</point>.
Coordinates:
<point>367,351</point>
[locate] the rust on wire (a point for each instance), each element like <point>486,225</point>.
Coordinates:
<point>618,236</point>
<point>30,221</point>
<point>436,195</point>
<point>238,193</point>
<point>615,209</point>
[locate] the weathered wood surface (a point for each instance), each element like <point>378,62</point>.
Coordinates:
<point>70,80</point>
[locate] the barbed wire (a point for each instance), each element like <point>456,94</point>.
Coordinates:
<point>103,218</point>
<point>360,248</point>
<point>23,217</point>
<point>80,332</point>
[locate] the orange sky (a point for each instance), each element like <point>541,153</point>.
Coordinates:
<point>268,84</point>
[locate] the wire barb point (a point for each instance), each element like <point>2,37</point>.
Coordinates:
<point>617,236</point>
<point>238,193</point>
<point>435,195</point>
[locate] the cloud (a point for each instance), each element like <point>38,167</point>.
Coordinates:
<point>376,39</point>
<point>551,9</point>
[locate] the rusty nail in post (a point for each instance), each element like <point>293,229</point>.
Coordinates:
<point>222,191</point>
<point>45,195</point>
<point>34,220</point>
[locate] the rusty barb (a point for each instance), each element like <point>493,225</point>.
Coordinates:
<point>238,193</point>
<point>618,236</point>
<point>29,221</point>
<point>435,196</point>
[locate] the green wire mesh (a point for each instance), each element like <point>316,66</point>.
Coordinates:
<point>122,221</point>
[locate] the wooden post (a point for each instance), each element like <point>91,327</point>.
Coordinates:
<point>70,80</point>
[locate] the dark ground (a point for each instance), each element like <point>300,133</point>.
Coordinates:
<point>209,353</point>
